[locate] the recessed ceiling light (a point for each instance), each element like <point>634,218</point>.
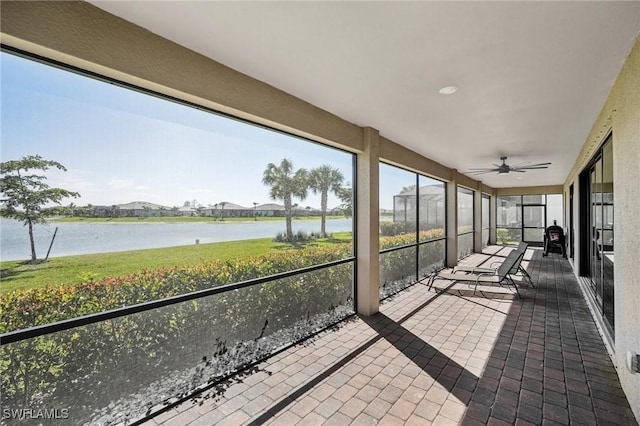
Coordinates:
<point>448,90</point>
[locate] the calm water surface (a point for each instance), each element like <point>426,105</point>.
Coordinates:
<point>75,238</point>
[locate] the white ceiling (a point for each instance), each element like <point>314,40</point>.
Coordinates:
<point>532,75</point>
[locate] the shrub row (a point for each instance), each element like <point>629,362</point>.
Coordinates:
<point>31,307</point>
<point>88,367</point>
<point>45,305</point>
<point>398,267</point>
<point>391,229</point>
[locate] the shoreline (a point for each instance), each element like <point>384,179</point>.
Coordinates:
<point>66,270</point>
<point>185,219</point>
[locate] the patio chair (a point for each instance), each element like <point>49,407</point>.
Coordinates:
<point>522,247</point>
<point>500,276</point>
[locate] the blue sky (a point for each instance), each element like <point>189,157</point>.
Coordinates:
<point>120,146</point>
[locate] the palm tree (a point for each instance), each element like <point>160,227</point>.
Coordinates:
<point>345,194</point>
<point>322,180</point>
<point>285,184</point>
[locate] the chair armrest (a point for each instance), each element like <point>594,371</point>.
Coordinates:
<point>474,269</point>
<point>485,271</point>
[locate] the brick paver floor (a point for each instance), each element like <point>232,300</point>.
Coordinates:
<point>441,357</point>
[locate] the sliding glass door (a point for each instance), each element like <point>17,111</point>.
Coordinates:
<point>598,230</point>
<point>533,223</point>
<point>525,217</point>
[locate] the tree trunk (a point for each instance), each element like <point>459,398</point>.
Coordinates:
<point>33,244</point>
<point>287,213</point>
<point>323,213</point>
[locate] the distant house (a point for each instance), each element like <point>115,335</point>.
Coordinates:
<point>219,210</point>
<point>336,211</point>
<point>308,211</point>
<point>227,209</point>
<point>102,211</point>
<point>269,210</point>
<point>186,211</point>
<point>142,209</point>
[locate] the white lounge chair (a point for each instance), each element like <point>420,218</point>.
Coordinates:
<point>492,268</point>
<point>500,276</point>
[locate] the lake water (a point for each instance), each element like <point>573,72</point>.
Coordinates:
<point>75,238</point>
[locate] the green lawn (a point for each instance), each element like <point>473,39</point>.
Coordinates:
<point>74,269</point>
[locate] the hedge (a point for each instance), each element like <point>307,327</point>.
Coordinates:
<point>70,369</point>
<point>98,369</point>
<point>398,267</point>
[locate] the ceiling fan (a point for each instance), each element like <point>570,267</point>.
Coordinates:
<point>504,168</point>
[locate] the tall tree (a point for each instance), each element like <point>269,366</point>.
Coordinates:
<point>322,180</point>
<point>345,194</point>
<point>286,183</point>
<point>25,194</point>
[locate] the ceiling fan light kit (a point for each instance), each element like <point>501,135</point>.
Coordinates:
<point>504,168</point>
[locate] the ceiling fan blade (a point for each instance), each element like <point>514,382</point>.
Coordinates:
<point>481,169</point>
<point>536,165</point>
<point>531,168</point>
<point>518,170</point>
<point>481,172</point>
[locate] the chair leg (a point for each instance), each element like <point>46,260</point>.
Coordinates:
<point>526,275</point>
<point>514,286</point>
<point>432,278</point>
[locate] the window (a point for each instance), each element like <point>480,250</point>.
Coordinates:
<point>486,219</point>
<point>431,248</point>
<point>525,217</point>
<point>465,222</point>
<point>554,209</point>
<point>224,229</point>
<point>412,220</point>
<point>509,220</point>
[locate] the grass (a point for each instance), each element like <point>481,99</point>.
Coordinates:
<point>69,270</point>
<point>180,219</point>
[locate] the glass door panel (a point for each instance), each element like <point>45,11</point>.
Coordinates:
<point>606,239</point>
<point>596,227</point>
<point>533,223</point>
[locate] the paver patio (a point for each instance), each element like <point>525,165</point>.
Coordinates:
<point>440,357</point>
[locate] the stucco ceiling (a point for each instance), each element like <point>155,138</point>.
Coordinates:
<point>532,76</point>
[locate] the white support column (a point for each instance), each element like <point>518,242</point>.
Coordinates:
<point>368,210</point>
<point>452,220</point>
<point>477,219</point>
